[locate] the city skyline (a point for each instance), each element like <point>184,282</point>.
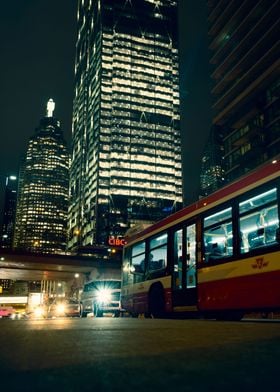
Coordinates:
<point>125,158</point>
<point>38,63</point>
<point>38,49</point>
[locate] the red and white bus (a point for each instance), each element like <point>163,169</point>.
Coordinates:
<point>219,257</point>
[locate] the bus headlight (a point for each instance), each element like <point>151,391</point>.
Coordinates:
<point>104,296</point>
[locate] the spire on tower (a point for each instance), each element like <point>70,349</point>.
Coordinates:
<point>50,107</point>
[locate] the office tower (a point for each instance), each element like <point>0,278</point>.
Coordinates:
<point>244,48</point>
<point>212,172</point>
<point>9,212</point>
<point>41,217</point>
<point>5,286</point>
<point>126,155</point>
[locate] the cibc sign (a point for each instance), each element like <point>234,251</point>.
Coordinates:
<point>116,241</point>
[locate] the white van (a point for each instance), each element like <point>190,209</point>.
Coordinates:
<point>101,296</point>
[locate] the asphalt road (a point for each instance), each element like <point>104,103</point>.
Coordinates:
<point>125,354</point>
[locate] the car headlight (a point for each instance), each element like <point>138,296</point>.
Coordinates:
<point>60,309</point>
<point>38,312</point>
<point>104,295</point>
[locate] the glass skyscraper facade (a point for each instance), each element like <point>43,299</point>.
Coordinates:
<point>41,214</point>
<point>244,49</point>
<point>126,152</point>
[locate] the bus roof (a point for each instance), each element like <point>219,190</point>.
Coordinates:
<point>255,178</point>
<point>103,280</point>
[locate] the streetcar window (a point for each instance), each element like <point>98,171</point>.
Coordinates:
<point>191,255</point>
<point>258,200</point>
<point>219,216</point>
<point>258,220</point>
<point>217,235</point>
<point>138,249</point>
<point>178,253</point>
<point>138,258</point>
<point>158,241</point>
<point>157,257</point>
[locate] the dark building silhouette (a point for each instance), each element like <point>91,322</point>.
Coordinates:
<point>41,217</point>
<point>9,212</point>
<point>126,154</point>
<point>244,55</point>
<point>212,170</point>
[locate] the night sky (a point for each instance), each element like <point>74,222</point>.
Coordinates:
<point>37,63</point>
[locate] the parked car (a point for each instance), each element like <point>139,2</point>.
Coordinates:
<point>18,315</point>
<point>6,311</point>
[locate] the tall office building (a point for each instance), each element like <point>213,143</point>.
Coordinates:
<point>244,46</point>
<point>126,156</point>
<point>41,217</point>
<point>9,212</point>
<point>212,170</point>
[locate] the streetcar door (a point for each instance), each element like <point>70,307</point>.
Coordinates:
<point>178,266</point>
<point>184,267</point>
<point>191,257</point>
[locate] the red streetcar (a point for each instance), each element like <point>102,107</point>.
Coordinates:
<point>218,257</point>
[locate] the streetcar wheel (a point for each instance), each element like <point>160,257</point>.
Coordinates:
<point>156,302</point>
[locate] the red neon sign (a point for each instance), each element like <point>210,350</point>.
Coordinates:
<point>116,241</point>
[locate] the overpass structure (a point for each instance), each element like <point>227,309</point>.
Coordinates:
<point>24,266</point>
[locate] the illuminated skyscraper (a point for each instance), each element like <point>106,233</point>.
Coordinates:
<point>41,217</point>
<point>126,155</point>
